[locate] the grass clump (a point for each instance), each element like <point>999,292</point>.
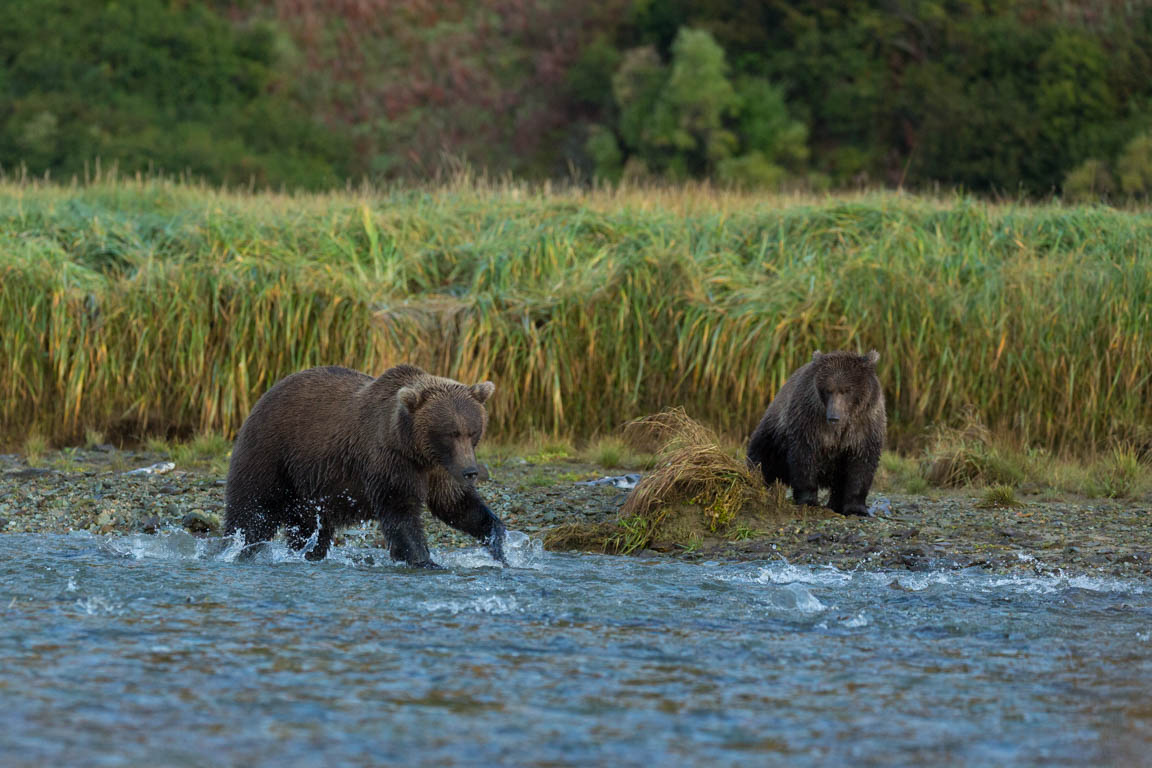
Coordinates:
<point>696,489</point>
<point>968,456</point>
<point>203,451</point>
<point>534,449</point>
<point>901,474</point>
<point>158,445</point>
<point>1119,474</point>
<point>94,438</point>
<point>551,452</point>
<point>65,460</point>
<point>537,479</point>
<point>615,453</point>
<point>35,446</point>
<point>999,497</point>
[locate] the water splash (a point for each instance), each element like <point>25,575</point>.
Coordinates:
<point>99,605</point>
<point>520,550</point>
<point>796,598</point>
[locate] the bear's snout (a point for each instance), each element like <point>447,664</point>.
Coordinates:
<point>834,411</point>
<point>471,473</point>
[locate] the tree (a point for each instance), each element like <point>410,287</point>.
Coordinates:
<point>687,119</point>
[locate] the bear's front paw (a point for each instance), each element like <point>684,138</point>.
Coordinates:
<point>495,545</point>
<point>428,565</point>
<point>857,510</point>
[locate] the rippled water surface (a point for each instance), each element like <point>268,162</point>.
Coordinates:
<point>163,651</point>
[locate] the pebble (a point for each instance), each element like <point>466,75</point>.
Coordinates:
<point>198,521</point>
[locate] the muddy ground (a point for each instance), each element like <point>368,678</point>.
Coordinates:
<point>90,490</point>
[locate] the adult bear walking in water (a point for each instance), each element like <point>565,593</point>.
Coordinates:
<point>825,429</point>
<point>330,447</point>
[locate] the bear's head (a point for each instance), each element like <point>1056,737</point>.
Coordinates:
<point>846,384</point>
<point>444,423</point>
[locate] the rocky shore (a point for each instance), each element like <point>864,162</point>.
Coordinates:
<point>97,490</point>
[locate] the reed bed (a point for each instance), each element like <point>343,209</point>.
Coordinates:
<point>141,307</point>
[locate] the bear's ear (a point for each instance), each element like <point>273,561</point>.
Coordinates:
<point>410,398</point>
<point>482,391</point>
<point>816,355</point>
<point>873,357</point>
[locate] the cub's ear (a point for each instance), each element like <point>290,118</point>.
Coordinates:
<point>873,357</point>
<point>816,355</point>
<point>482,391</point>
<point>410,398</point>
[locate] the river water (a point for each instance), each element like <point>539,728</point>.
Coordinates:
<point>162,650</point>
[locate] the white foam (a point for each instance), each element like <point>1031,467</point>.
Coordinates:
<point>786,573</point>
<point>485,604</point>
<point>1045,585</point>
<point>859,620</point>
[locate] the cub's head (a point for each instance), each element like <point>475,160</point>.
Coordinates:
<point>846,384</point>
<point>444,422</point>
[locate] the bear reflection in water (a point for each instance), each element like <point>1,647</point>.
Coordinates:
<point>332,447</point>
<point>825,429</point>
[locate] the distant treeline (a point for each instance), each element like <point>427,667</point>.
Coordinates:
<point>1012,97</point>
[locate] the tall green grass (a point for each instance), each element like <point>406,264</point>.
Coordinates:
<point>150,306</point>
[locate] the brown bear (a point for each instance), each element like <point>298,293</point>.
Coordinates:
<point>825,429</point>
<point>329,447</point>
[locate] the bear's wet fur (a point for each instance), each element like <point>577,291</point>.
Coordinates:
<point>330,447</point>
<point>825,429</point>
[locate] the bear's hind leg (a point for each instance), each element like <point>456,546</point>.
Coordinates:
<point>257,524</point>
<point>764,452</point>
<point>257,503</point>
<point>308,522</point>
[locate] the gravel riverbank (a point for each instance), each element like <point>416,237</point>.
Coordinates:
<point>93,490</point>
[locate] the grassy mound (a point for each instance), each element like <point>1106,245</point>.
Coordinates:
<point>698,491</point>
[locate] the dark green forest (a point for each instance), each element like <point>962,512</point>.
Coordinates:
<point>1003,97</point>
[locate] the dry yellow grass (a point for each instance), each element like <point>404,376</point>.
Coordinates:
<point>145,307</point>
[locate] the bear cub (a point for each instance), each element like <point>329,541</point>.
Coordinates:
<point>825,429</point>
<point>330,447</point>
